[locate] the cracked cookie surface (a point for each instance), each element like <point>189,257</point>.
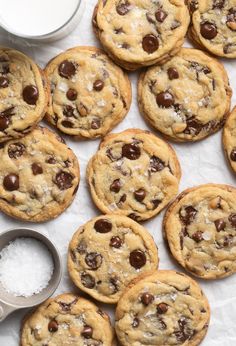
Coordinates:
<point>67,320</point>
<point>163,308</point>
<point>200,227</point>
<point>229,139</point>
<point>39,176</point>
<point>24,94</point>
<point>138,33</point>
<point>134,173</point>
<point>108,252</point>
<point>89,94</point>
<point>187,98</point>
<point>214,25</point>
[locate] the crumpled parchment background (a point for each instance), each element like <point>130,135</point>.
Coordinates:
<point>201,162</point>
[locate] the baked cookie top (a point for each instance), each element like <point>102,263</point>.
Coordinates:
<point>134,173</point>
<point>23,93</point>
<point>108,252</point>
<point>140,32</point>
<point>229,139</point>
<point>89,93</point>
<point>164,308</point>
<point>214,25</point>
<point>200,227</point>
<point>67,320</point>
<point>187,98</point>
<point>39,176</point>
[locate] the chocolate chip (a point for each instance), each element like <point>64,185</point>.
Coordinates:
<point>161,15</point>
<point>165,99</point>
<point>11,182</point>
<point>36,168</point>
<point>53,326</point>
<point>228,240</point>
<point>156,203</point>
<point>4,122</point>
<point>218,4</point>
<point>162,324</point>
<point>162,308</point>
<point>150,43</point>
<point>122,199</point>
<point>137,259</point>
<point>87,280</point>
<point>95,124</point>
<point>220,225</point>
<point>30,94</point>
<point>68,111</point>
<point>131,151</point>
<point>67,124</point>
<point>134,217</point>
<point>103,226</point>
<point>51,160</point>
<point>67,69</point>
<point>135,322</point>
<point>139,195</point>
<point>232,220</point>
<point>4,82</point>
<point>114,282</point>
<point>82,247</point>
<point>87,332</point>
<point>15,150</point>
<point>231,19</point>
<point>8,112</point>
<point>116,242</point>
<point>187,215</point>
<point>208,30</point>
<point>147,298</point>
<point>172,73</point>
<point>98,85</point>
<point>64,180</point>
<point>197,236</point>
<point>93,260</point>
<point>156,164</point>
<point>194,126</point>
<point>67,306</point>
<point>123,9</point>
<point>71,94</point>
<point>115,186</point>
<point>193,6</point>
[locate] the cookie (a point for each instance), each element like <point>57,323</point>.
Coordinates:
<point>67,320</point>
<point>89,94</point>
<point>108,252</point>
<point>163,308</point>
<point>229,139</point>
<point>39,176</point>
<point>134,173</point>
<point>24,94</point>
<point>187,98</point>
<point>200,227</point>
<point>138,33</point>
<point>213,26</point>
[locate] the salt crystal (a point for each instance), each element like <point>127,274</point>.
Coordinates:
<point>26,267</point>
<point>62,87</point>
<point>206,235</point>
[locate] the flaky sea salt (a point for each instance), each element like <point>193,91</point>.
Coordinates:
<point>26,267</point>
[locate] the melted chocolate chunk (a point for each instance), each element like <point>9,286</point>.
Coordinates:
<point>184,333</point>
<point>87,280</point>
<point>123,8</point>
<point>87,332</point>
<point>218,4</point>
<point>71,94</point>
<point>67,69</point>
<point>135,322</point>
<point>131,151</point>
<point>197,236</point>
<point>15,150</point>
<point>53,326</point>
<point>67,124</point>
<point>187,215</point>
<point>147,298</point>
<point>8,112</point>
<point>150,43</point>
<point>30,94</point>
<point>156,164</point>
<point>208,30</point>
<point>116,242</point>
<point>176,24</point>
<point>228,240</point>
<point>103,226</point>
<point>67,306</point>
<point>4,123</point>
<point>64,180</point>
<point>114,281</point>
<point>231,19</point>
<point>193,6</point>
<point>162,308</point>
<point>139,195</point>
<point>137,259</point>
<point>172,73</point>
<point>93,260</point>
<point>95,124</point>
<point>156,203</point>
<point>220,225</point>
<point>51,160</point>
<point>165,99</point>
<point>36,168</point>
<point>161,15</point>
<point>68,111</point>
<point>194,127</point>
<point>122,199</point>
<point>115,186</point>
<point>82,247</point>
<point>232,220</point>
<point>11,182</point>
<point>4,82</point>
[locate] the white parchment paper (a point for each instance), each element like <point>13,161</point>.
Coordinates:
<point>201,162</point>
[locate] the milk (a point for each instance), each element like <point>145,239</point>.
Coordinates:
<point>36,17</point>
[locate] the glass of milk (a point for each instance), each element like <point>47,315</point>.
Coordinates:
<point>40,20</point>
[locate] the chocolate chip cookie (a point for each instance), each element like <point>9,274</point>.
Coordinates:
<point>39,176</point>
<point>163,308</point>
<point>187,98</point>
<point>229,139</point>
<point>24,94</point>
<point>67,320</point>
<point>89,93</point>
<point>107,253</point>
<point>213,26</point>
<point>134,173</point>
<point>200,227</point>
<point>138,33</point>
